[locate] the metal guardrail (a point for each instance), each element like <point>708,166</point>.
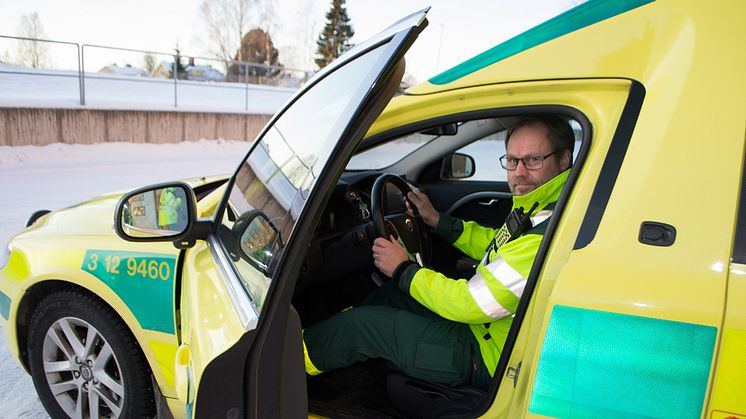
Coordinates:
<point>77,51</point>
<point>242,72</point>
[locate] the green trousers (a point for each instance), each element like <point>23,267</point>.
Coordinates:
<point>390,324</point>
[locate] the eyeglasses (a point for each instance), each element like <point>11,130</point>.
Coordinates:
<point>529,162</point>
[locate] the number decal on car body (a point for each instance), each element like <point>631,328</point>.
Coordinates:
<point>144,281</point>
<point>136,267</point>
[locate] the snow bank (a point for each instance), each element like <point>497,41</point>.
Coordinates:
<point>60,154</point>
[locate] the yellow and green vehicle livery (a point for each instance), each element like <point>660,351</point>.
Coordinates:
<point>139,283</point>
<point>632,307</point>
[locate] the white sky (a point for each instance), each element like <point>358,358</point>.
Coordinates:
<point>458,29</point>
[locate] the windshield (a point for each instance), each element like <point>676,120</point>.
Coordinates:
<point>384,155</point>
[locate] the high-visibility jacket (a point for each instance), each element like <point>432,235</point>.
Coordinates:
<point>168,209</point>
<point>487,300</point>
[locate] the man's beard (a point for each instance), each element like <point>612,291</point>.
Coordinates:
<point>522,181</point>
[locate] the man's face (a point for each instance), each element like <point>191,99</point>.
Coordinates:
<point>533,140</point>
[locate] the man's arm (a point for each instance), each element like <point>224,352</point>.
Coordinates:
<point>491,294</point>
<point>467,236</point>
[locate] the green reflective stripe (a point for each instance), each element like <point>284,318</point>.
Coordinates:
<point>4,305</point>
<point>611,365</point>
<point>144,281</point>
<point>588,13</point>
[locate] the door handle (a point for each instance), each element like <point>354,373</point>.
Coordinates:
<point>513,373</point>
<point>491,203</point>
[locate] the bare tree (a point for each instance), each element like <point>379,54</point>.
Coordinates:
<point>149,61</point>
<point>268,22</point>
<point>297,50</point>
<point>32,53</point>
<point>309,31</point>
<point>226,22</point>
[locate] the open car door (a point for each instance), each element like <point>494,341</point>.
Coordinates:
<point>240,353</point>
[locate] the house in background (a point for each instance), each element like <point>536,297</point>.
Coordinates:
<point>126,70</point>
<point>162,70</point>
<point>188,72</point>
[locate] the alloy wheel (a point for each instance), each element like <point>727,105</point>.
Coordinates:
<point>82,370</point>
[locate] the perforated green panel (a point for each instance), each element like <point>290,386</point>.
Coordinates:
<point>611,365</point>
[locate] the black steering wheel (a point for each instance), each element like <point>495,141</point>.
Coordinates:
<point>412,230</point>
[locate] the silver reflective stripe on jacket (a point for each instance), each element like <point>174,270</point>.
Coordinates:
<point>509,277</point>
<point>503,272</point>
<point>484,298</point>
<point>540,217</point>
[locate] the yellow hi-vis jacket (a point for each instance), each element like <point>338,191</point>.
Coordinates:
<point>487,300</point>
<point>168,207</point>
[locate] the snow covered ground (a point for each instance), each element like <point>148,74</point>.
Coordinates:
<point>24,87</point>
<point>59,175</point>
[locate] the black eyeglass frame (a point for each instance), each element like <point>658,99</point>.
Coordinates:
<point>540,161</point>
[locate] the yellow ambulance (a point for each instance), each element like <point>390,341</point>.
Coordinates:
<point>634,307</point>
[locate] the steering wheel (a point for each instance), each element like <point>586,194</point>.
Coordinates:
<point>411,230</point>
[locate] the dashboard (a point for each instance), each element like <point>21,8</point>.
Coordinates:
<point>339,263</point>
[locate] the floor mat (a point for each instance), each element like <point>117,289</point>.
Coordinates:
<point>358,391</point>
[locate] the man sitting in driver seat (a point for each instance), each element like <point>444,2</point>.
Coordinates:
<point>447,330</point>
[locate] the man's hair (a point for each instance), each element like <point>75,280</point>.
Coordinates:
<point>561,136</point>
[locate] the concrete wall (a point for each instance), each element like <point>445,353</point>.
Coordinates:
<point>27,126</point>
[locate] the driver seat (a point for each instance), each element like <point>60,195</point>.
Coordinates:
<point>425,399</point>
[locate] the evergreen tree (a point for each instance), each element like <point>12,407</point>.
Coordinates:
<point>334,38</point>
<point>179,70</point>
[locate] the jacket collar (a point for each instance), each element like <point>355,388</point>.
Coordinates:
<point>544,194</point>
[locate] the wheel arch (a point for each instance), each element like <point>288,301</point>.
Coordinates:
<point>35,294</point>
<point>50,301</point>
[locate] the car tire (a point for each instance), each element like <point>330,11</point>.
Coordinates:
<point>76,378</point>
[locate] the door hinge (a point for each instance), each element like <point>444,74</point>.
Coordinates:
<point>513,373</point>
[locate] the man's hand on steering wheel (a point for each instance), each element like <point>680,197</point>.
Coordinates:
<point>388,254</point>
<point>420,200</point>
<point>408,228</point>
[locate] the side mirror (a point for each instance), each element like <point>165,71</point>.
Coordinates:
<point>259,241</point>
<point>457,166</point>
<point>164,212</point>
